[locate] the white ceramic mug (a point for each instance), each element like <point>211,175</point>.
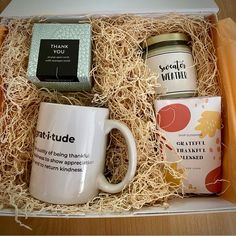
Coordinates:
<point>69,154</point>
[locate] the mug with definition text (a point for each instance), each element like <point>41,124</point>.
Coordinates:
<point>69,154</point>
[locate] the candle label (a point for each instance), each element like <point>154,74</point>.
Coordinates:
<point>176,72</point>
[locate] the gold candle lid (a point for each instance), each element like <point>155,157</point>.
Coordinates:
<point>166,38</point>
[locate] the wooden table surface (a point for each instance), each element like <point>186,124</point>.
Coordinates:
<point>217,223</point>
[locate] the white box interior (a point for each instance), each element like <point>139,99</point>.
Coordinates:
<point>26,8</point>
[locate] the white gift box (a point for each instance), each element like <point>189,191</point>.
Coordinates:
<point>69,10</point>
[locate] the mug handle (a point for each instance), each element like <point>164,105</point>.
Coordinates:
<point>102,182</point>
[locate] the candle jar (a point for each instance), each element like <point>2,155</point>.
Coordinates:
<point>170,56</point>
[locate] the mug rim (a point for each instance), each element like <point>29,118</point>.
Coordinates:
<point>75,106</point>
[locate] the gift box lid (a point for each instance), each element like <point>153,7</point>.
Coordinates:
<point>26,8</point>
